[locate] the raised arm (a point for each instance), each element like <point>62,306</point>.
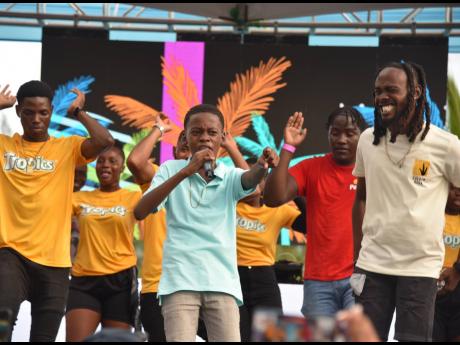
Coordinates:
<point>152,199</point>
<point>359,207</point>
<point>100,138</point>
<point>281,186</point>
<point>251,178</point>
<point>7,100</point>
<point>231,146</point>
<point>138,159</point>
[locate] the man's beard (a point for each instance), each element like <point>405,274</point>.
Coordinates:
<point>399,121</point>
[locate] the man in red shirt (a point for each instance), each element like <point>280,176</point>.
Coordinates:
<point>329,187</point>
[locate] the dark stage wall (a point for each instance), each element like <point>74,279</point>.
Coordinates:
<point>319,79</point>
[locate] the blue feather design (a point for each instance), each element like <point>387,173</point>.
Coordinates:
<point>250,146</point>
<point>63,98</point>
<point>435,113</point>
<point>278,151</point>
<point>367,113</point>
<point>262,130</point>
<point>226,160</point>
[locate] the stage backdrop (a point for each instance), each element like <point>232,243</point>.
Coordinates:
<point>132,82</point>
<point>256,86</point>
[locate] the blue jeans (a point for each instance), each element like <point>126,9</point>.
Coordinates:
<point>326,298</point>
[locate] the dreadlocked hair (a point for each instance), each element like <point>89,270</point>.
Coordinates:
<point>415,76</point>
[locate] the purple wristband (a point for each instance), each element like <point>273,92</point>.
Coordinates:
<point>289,148</point>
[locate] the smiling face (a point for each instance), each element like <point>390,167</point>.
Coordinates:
<point>343,139</point>
<point>35,114</point>
<point>390,95</point>
<point>109,167</point>
<point>204,130</point>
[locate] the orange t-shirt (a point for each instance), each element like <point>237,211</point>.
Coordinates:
<point>106,223</point>
<point>154,236</point>
<point>36,182</point>
<point>451,240</point>
<point>257,233</point>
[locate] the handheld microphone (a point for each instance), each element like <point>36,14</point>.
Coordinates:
<point>209,171</point>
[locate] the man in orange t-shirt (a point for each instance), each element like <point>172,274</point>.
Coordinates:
<point>36,182</point>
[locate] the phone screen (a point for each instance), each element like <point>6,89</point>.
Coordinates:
<point>270,325</point>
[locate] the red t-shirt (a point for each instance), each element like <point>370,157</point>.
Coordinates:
<point>330,191</point>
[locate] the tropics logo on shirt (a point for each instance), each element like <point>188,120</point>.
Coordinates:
<point>452,241</point>
<point>251,225</point>
<point>30,164</point>
<point>101,211</point>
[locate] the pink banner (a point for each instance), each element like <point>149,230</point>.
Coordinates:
<point>191,56</point>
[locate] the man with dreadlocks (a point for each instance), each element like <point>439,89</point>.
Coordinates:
<point>329,187</point>
<point>404,167</point>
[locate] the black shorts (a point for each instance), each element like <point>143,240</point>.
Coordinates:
<point>447,317</point>
<point>114,296</point>
<point>413,298</point>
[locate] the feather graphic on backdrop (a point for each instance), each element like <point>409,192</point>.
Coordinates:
<point>179,85</point>
<point>139,115</point>
<point>63,97</point>
<point>250,93</point>
<point>132,112</point>
<point>182,90</point>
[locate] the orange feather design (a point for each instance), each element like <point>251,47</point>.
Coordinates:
<point>250,93</point>
<point>180,87</point>
<point>132,112</point>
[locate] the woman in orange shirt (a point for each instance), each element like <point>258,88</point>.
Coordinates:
<point>103,288</point>
<point>258,229</point>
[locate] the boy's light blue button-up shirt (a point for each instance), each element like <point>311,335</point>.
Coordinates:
<point>199,253</point>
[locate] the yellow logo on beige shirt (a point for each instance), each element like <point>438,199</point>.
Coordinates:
<point>39,163</point>
<point>420,171</point>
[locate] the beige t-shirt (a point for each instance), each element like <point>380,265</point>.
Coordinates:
<point>404,219</point>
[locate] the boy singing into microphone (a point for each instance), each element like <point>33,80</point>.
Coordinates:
<point>200,275</point>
